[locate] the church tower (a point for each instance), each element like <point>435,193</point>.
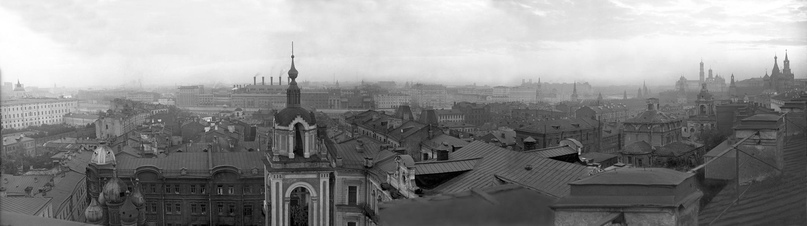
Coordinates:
<point>298,170</point>
<point>788,74</point>
<point>702,79</point>
<point>705,102</point>
<point>732,87</point>
<point>574,92</point>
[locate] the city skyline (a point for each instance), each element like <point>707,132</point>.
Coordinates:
<point>454,43</point>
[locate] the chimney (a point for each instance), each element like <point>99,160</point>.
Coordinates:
<point>263,80</point>
<point>28,191</point>
<point>2,192</point>
<point>442,155</point>
<point>271,80</point>
<point>368,162</point>
<point>280,80</point>
<point>254,80</point>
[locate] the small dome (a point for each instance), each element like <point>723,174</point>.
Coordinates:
<point>114,190</point>
<point>287,115</point>
<point>137,197</point>
<point>128,213</point>
<point>239,109</point>
<point>103,155</point>
<point>94,213</point>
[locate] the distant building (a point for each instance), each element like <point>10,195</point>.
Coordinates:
<point>705,116</point>
<point>21,113</point>
<point>391,100</point>
<point>145,97</point>
<point>654,127</point>
<point>449,115</point>
<point>188,96</point>
<point>715,83</point>
<point>80,119</point>
<point>779,80</point>
<point>476,114</point>
<point>551,133</point>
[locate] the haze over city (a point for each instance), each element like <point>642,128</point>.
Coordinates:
<point>617,42</point>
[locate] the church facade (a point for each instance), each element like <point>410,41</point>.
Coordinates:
<point>779,80</point>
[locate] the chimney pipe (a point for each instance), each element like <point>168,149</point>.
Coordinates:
<point>254,80</point>
<point>271,80</point>
<point>280,80</point>
<point>263,80</point>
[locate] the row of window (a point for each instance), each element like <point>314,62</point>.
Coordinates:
<point>34,107</point>
<point>202,189</point>
<point>222,208</point>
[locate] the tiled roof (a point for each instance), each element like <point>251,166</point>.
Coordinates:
<point>24,205</point>
<point>444,139</point>
<point>500,205</point>
<point>536,172</point>
<point>353,154</point>
<point>435,167</point>
<point>775,201</point>
<point>15,185</point>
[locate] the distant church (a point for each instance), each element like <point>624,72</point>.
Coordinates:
<point>778,81</point>
<point>714,83</point>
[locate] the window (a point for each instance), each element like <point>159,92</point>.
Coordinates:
<point>203,208</point>
<point>351,223</point>
<point>178,209</point>
<point>153,207</point>
<point>193,208</point>
<point>203,189</point>
<point>193,189</point>
<point>221,208</point>
<point>352,195</point>
<point>167,188</point>
<point>168,208</point>
<point>232,209</point>
<point>247,189</point>
<point>230,190</point>
<point>176,189</point>
<point>220,190</point>
<point>247,210</point>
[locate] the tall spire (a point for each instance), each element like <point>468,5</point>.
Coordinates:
<point>293,92</point>
<point>775,70</point>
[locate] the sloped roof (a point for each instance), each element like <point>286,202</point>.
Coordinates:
<point>636,176</point>
<point>195,162</point>
<point>651,116</point>
<point>354,151</point>
<point>536,172</point>
<point>774,201</point>
<point>553,126</point>
<point>597,156</point>
<point>553,151</point>
<point>24,205</point>
<point>436,167</point>
<point>499,205</point>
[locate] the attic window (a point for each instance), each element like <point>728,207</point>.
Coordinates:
<point>556,127</point>
<point>576,124</point>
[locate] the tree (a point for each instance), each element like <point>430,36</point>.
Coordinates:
<point>711,138</point>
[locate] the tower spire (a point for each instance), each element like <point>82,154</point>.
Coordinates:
<point>293,92</point>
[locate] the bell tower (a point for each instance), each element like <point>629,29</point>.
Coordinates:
<point>298,169</point>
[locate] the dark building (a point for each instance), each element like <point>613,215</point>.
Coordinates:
<point>551,133</point>
<point>476,114</point>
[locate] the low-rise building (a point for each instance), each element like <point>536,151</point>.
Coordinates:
<point>391,100</point>
<point>80,119</point>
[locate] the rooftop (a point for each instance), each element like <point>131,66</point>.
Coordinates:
<point>636,176</point>
<point>499,205</point>
<point>24,205</point>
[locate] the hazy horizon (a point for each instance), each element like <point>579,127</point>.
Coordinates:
<point>616,42</point>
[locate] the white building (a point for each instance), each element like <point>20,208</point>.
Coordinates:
<point>21,113</point>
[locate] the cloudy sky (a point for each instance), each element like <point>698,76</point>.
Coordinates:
<point>604,42</point>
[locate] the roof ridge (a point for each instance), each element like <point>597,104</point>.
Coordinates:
<point>450,160</point>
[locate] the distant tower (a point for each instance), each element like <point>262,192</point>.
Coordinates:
<point>786,71</point>
<point>574,92</point>
<point>732,87</point>
<point>625,95</point>
<point>701,73</point>
<point>639,94</point>
<point>705,102</point>
<point>710,74</point>
<point>599,99</point>
<point>777,82</point>
<point>644,86</point>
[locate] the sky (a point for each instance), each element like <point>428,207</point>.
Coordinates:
<point>81,43</point>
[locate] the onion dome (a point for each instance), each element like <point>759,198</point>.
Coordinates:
<point>101,199</point>
<point>94,213</point>
<point>103,155</point>
<point>115,190</point>
<point>293,70</point>
<point>287,115</point>
<point>137,196</point>
<point>128,213</point>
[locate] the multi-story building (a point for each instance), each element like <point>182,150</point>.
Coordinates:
<point>652,126</point>
<point>314,98</point>
<point>79,119</point>
<point>434,96</point>
<point>110,126</point>
<point>551,133</point>
<point>188,96</point>
<point>449,115</point>
<point>145,97</point>
<point>605,113</point>
<point>21,113</point>
<point>183,188</point>
<point>18,146</point>
<point>476,114</point>
<point>391,100</point>
<point>704,118</point>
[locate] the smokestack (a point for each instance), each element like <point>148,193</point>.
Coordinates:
<point>280,80</point>
<point>263,80</point>
<point>254,80</point>
<point>271,80</point>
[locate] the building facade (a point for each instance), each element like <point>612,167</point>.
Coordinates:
<point>21,113</point>
<point>652,126</point>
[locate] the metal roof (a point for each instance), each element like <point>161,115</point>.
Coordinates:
<point>448,166</point>
<point>24,205</point>
<point>636,176</point>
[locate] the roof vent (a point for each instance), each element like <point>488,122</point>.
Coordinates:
<point>528,167</point>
